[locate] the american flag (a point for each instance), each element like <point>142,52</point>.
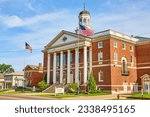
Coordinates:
<point>85,31</point>
<point>28,47</point>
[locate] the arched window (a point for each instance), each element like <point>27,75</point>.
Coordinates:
<point>84,20</point>
<point>124,66</point>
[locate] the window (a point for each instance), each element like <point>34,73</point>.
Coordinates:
<point>100,44</point>
<point>131,48</point>
<point>131,59</point>
<point>57,60</point>
<point>100,56</point>
<point>71,57</point>
<point>64,59</point>
<point>30,74</point>
<point>100,76</point>
<point>115,44</point>
<point>84,20</point>
<point>123,46</point>
<point>115,56</point>
<point>124,67</point>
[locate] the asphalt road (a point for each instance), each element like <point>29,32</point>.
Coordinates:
<point>22,97</point>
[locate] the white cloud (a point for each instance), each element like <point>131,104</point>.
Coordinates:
<point>16,21</point>
<point>11,21</point>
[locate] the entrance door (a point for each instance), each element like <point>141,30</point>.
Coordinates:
<point>125,87</point>
<point>147,87</point>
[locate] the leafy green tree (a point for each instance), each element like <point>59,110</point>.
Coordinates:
<point>42,85</point>
<point>92,84</point>
<point>6,68</point>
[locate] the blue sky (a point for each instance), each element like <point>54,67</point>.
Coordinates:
<point>39,21</point>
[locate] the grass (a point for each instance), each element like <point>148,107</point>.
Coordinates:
<point>59,96</point>
<point>12,91</point>
<point>145,95</point>
<point>139,96</point>
<point>69,95</point>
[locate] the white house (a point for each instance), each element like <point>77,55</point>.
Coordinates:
<point>14,79</point>
<point>1,81</point>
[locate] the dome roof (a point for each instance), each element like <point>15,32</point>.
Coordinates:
<point>84,12</point>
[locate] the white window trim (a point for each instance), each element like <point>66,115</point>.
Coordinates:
<point>115,44</point>
<point>99,56</point>
<point>99,80</point>
<point>131,49</point>
<point>115,53</point>
<point>124,46</point>
<point>101,43</point>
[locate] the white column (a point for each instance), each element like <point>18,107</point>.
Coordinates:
<point>85,64</point>
<point>61,67</point>
<point>54,68</point>
<point>48,69</point>
<point>90,57</point>
<point>76,65</point>
<point>68,67</point>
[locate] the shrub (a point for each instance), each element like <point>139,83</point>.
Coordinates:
<point>42,85</point>
<point>73,87</point>
<point>92,84</point>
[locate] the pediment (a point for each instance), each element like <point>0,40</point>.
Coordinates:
<point>64,38</point>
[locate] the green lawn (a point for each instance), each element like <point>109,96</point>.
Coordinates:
<point>139,96</point>
<point>12,91</point>
<point>68,95</point>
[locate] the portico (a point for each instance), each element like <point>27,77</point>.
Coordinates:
<point>62,57</point>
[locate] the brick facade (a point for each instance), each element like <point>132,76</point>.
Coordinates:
<point>34,74</point>
<point>113,78</point>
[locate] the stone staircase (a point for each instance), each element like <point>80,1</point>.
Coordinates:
<point>51,88</point>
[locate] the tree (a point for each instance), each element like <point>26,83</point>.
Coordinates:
<point>92,84</point>
<point>6,68</point>
<point>42,85</point>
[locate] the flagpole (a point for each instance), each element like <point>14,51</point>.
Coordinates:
<point>24,71</point>
<point>78,90</point>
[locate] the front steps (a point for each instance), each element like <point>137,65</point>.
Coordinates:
<point>51,88</point>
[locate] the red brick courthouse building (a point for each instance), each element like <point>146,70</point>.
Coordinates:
<point>119,62</point>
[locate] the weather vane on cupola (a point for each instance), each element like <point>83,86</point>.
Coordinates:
<point>84,23</point>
